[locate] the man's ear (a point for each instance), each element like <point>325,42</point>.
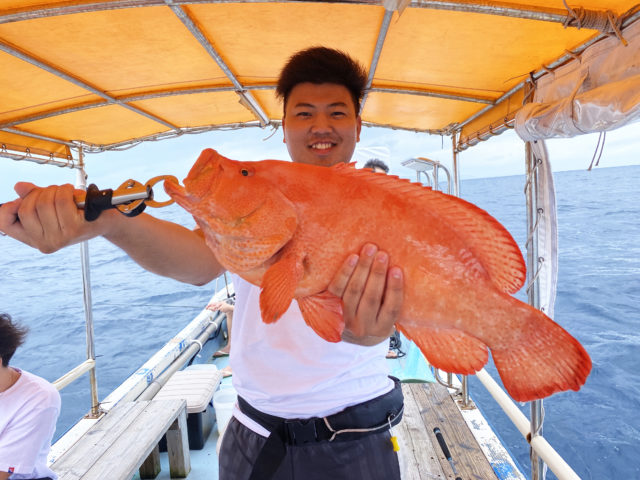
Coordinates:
<point>284,132</point>
<point>358,127</point>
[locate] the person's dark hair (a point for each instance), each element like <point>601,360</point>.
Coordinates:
<point>11,337</point>
<point>322,65</point>
<point>376,163</point>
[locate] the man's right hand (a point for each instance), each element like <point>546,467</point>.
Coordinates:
<point>48,218</point>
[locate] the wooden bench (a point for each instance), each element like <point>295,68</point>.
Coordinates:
<point>126,439</point>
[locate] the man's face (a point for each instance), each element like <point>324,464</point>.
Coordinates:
<point>320,124</point>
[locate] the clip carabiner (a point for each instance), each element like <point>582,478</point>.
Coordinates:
<point>150,184</point>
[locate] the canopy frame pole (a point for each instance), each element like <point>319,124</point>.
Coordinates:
<point>5,47</point>
<point>533,285</point>
<point>247,90</point>
<point>503,9</point>
<point>513,10</point>
<point>455,163</point>
<point>246,98</point>
<point>41,156</point>
<point>382,35</point>
<point>81,182</point>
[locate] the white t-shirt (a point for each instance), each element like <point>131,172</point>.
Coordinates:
<point>29,410</point>
<point>286,369</point>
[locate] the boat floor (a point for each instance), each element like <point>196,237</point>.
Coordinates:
<point>427,406</point>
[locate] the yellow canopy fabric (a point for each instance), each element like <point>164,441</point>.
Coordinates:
<point>108,73</point>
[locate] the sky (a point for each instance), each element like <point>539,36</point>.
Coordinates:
<point>500,156</point>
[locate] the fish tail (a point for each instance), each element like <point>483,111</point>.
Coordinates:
<point>543,359</point>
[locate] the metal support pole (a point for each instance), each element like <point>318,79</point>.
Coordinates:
<point>466,402</point>
<point>81,182</point>
<point>537,465</point>
<point>456,166</point>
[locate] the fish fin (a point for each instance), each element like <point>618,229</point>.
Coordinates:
<point>488,241</point>
<point>278,286</point>
<point>449,350</point>
<point>546,360</point>
<point>323,313</point>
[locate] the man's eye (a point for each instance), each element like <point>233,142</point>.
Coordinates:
<point>338,114</point>
<point>303,114</point>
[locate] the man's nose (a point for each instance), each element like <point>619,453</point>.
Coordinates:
<point>321,124</point>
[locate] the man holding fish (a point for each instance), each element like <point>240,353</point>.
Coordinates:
<point>297,391</point>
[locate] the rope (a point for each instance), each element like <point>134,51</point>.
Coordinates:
<point>606,22</point>
<point>602,137</point>
<point>536,275</point>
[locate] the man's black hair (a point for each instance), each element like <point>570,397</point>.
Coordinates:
<point>11,337</point>
<point>376,163</point>
<point>323,65</point>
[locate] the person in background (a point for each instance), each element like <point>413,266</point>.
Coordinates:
<point>29,409</point>
<point>295,390</point>
<point>227,309</point>
<point>377,166</point>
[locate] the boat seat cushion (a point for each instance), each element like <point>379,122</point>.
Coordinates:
<point>195,385</point>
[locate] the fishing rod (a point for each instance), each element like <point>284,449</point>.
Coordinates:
<point>130,198</point>
<point>445,450</point>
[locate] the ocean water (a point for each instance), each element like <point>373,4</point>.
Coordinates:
<point>597,430</point>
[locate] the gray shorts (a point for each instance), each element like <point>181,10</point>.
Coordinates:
<point>370,457</point>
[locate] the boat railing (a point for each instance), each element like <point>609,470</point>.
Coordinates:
<point>537,442</point>
<point>89,365</point>
<point>430,170</point>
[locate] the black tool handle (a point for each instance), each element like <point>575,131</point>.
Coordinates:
<point>96,202</point>
<point>443,444</point>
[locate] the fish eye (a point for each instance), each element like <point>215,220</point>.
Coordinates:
<point>244,172</point>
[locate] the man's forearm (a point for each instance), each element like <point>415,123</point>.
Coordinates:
<point>164,248</point>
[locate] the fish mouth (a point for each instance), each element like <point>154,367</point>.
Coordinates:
<point>175,190</point>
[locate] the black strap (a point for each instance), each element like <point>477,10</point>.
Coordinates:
<point>269,458</point>
<point>384,411</point>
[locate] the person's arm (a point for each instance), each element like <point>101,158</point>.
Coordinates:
<point>372,295</point>
<point>48,219</point>
<point>4,475</point>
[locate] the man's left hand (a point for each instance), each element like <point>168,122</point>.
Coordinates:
<point>372,294</point>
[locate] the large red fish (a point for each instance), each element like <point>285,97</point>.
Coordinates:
<point>288,228</point>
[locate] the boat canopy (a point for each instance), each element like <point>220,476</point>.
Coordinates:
<point>109,74</point>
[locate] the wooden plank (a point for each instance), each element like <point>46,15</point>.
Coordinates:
<point>81,456</point>
<point>420,458</point>
<point>439,410</point>
<point>133,446</point>
<point>178,447</point>
<point>150,468</point>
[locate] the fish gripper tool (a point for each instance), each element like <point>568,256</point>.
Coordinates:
<point>130,198</point>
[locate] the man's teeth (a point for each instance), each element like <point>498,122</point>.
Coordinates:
<point>321,146</point>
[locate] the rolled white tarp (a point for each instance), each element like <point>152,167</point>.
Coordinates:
<point>600,91</point>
